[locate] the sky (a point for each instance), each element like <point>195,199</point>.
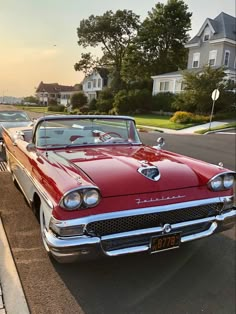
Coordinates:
<point>39,40</point>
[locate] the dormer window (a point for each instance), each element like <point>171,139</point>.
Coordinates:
<point>196,60</point>
<point>206,34</point>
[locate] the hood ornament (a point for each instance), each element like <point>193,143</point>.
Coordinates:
<point>150,172</point>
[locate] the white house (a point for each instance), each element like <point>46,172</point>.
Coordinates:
<point>214,45</point>
<point>95,82</point>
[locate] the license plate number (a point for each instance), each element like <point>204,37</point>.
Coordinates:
<point>165,242</point>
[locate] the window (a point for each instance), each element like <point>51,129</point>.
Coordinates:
<point>226,58</point>
<point>94,83</point>
<point>212,57</point>
<point>164,86</point>
<point>99,82</point>
<point>196,59</point>
<point>207,33</point>
<point>89,85</point>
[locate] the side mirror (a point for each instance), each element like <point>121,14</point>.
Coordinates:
<point>160,143</point>
<point>30,147</point>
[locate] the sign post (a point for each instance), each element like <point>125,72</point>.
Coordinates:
<point>215,95</point>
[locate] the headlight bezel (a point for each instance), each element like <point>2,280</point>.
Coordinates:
<point>82,192</point>
<point>222,177</point>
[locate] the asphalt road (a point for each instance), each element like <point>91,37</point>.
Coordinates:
<point>197,278</point>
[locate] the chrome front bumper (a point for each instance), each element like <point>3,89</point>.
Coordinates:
<point>70,249</point>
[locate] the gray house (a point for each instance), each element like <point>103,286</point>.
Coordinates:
<point>214,45</point>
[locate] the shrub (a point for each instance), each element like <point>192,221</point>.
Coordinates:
<point>93,104</point>
<point>188,117</point>
<point>163,102</point>
<point>132,101</point>
<point>56,108</point>
<point>104,105</point>
<point>105,100</point>
<point>78,100</point>
<point>122,102</point>
<point>84,109</point>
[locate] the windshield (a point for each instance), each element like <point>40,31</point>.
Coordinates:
<point>13,116</point>
<point>86,131</point>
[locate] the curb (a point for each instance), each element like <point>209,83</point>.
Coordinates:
<point>13,295</point>
<point>218,131</point>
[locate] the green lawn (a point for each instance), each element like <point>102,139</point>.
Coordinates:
<point>159,122</point>
<point>38,109</point>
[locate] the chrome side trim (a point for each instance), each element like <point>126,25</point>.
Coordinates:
<point>141,211</point>
<point>35,183</point>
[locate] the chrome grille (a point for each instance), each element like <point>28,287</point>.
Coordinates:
<point>131,223</point>
<point>144,239</point>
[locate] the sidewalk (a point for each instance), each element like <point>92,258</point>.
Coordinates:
<point>12,298</point>
<point>190,130</point>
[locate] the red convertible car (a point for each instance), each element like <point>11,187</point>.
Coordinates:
<point>98,191</point>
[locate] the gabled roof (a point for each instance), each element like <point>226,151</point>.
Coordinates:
<point>54,88</point>
<point>223,26</point>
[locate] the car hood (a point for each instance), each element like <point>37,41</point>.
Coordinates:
<point>13,124</point>
<point>115,169</point>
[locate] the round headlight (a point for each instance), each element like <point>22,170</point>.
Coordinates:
<point>72,200</point>
<point>228,181</point>
<point>217,183</point>
<point>91,197</point>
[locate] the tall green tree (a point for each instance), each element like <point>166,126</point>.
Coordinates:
<point>196,96</point>
<point>114,33</point>
<point>86,63</point>
<point>159,46</point>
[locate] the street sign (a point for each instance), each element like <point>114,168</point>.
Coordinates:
<point>215,94</point>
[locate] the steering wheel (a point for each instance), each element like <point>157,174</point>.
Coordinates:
<point>103,136</point>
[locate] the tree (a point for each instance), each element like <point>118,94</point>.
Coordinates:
<point>30,99</point>
<point>196,97</point>
<point>159,46</point>
<point>86,63</point>
<point>114,32</point>
<point>78,100</point>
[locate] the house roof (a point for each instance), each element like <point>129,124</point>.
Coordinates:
<point>103,72</point>
<point>176,73</point>
<point>222,26</point>
<point>54,88</point>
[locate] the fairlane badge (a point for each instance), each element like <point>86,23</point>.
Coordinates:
<point>158,199</point>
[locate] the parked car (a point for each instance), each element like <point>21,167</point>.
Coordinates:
<point>98,191</point>
<point>10,119</point>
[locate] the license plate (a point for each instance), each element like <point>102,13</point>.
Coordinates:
<point>165,242</point>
